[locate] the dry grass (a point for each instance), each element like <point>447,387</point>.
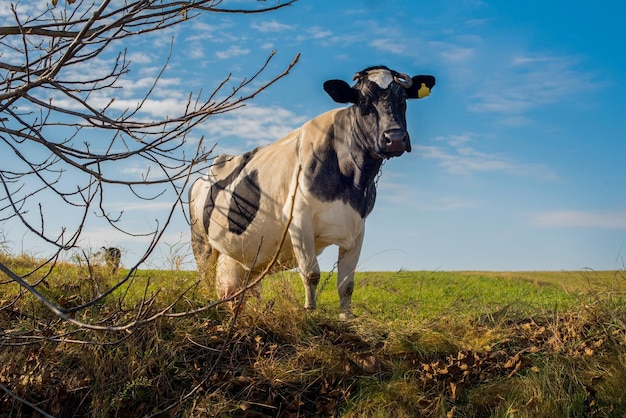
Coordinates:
<point>468,357</point>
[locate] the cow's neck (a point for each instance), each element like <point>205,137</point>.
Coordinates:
<point>342,169</point>
<point>359,165</point>
<point>359,160</point>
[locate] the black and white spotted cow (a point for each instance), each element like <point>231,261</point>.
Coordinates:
<point>327,168</point>
<point>112,258</point>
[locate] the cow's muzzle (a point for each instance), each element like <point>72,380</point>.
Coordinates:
<point>395,142</point>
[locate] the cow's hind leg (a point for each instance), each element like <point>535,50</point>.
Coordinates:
<point>203,252</point>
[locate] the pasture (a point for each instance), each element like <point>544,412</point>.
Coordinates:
<point>435,344</point>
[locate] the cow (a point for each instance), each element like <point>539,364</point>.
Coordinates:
<point>318,183</point>
<point>112,258</point>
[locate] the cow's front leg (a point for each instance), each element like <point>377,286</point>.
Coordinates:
<point>311,279</point>
<point>310,273</point>
<point>348,259</point>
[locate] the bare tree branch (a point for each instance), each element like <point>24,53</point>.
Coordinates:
<point>64,136</point>
<point>54,49</point>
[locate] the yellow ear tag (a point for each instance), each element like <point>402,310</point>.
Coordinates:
<point>423,91</point>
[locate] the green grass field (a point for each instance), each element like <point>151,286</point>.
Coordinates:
<point>435,344</point>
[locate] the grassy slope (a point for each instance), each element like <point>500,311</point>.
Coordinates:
<point>432,344</point>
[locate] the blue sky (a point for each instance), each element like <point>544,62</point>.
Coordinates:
<point>518,154</point>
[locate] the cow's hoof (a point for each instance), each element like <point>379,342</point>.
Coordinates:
<point>346,316</point>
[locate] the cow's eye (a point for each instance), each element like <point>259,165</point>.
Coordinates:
<point>363,101</point>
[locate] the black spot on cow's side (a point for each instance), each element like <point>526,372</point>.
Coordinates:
<point>222,184</point>
<point>244,204</point>
<point>325,180</point>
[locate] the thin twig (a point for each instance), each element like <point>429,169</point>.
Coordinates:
<point>25,402</point>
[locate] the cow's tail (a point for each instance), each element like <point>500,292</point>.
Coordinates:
<point>203,252</point>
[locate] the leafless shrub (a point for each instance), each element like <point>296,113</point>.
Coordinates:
<point>63,133</point>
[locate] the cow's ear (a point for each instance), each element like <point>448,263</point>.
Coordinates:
<point>340,91</point>
<point>421,86</point>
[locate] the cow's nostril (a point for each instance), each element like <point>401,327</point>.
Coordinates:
<point>395,141</point>
<point>395,135</point>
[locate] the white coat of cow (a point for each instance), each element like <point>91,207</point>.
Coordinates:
<point>327,168</point>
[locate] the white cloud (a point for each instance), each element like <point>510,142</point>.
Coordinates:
<point>22,9</point>
<point>95,68</point>
<point>158,108</point>
<point>260,125</point>
<point>516,120</point>
<point>390,45</point>
<point>130,87</point>
<point>141,206</point>
<point>530,81</point>
<point>477,22</point>
<point>195,52</point>
<point>344,40</point>
<point>455,53</point>
<point>580,219</point>
<point>457,156</point>
<point>233,51</point>
<point>317,32</point>
<point>454,140</point>
<point>163,102</point>
<point>271,26</point>
<point>203,31</point>
<point>452,47</point>
<point>393,191</point>
<point>139,58</point>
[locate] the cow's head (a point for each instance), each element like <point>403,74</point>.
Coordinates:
<point>380,98</point>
